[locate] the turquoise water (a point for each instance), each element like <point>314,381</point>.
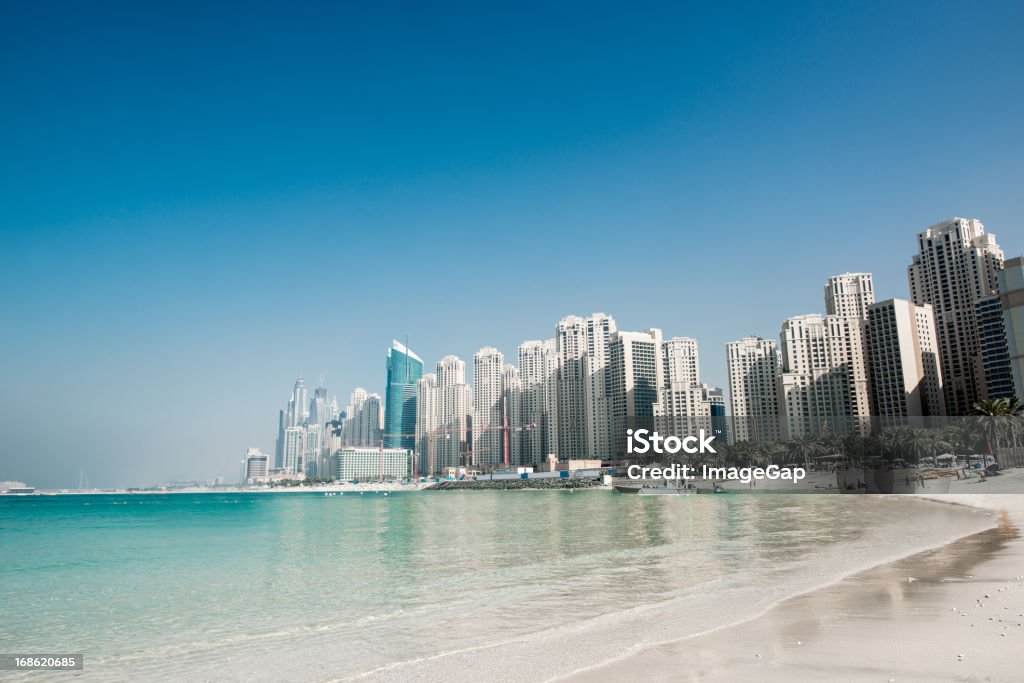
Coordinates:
<point>296,586</point>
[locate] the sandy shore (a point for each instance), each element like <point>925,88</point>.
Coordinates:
<point>951,614</point>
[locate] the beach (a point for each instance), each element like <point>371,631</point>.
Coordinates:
<point>955,613</point>
<point>586,585</point>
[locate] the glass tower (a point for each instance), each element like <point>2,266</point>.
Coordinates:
<point>404,368</point>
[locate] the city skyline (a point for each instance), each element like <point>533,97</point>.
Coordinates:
<point>861,366</point>
<point>185,236</point>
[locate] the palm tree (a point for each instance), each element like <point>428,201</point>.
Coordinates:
<point>895,440</point>
<point>1000,418</point>
<point>963,435</point>
<point>925,443</point>
<point>805,447</point>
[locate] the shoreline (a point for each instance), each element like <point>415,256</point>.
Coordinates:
<point>952,612</point>
<point>584,651</point>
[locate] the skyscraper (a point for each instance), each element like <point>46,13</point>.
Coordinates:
<point>454,408</point>
<point>823,384</point>
<point>319,410</point>
<point>282,424</point>
<point>684,405</point>
<point>993,350</point>
<point>849,295</point>
<point>427,415</point>
<point>538,372</point>
<point>754,369</point>
<point>571,345</point>
<point>298,405</point>
<point>294,450</point>
<point>1011,297</point>
<point>444,406</point>
<point>635,375</point>
<point>488,394</point>
<point>584,416</point>
<point>404,368</point>
<point>903,356</point>
<point>364,423</point>
<point>511,416</point>
<point>956,265</point>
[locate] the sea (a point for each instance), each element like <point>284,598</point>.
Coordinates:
<point>452,585</point>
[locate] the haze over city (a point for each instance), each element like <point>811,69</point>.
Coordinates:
<point>199,206</point>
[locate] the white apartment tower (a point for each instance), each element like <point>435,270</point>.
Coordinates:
<point>313,462</point>
<point>442,430</point>
<point>294,450</point>
<point>365,422</point>
<point>849,295</point>
<point>538,371</point>
<point>584,418</point>
<point>427,415</point>
<point>635,375</point>
<point>681,362</point>
<point>511,412</point>
<point>684,404</point>
<point>956,265</point>
<point>903,354</point>
<point>754,369</point>
<point>488,395</point>
<point>823,385</point>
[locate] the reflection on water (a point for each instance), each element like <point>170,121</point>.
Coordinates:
<point>362,581</point>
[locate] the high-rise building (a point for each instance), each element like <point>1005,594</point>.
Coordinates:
<point>956,265</point>
<point>365,421</point>
<point>298,405</point>
<point>635,375</point>
<point>538,372</point>
<point>294,450</point>
<point>1011,298</point>
<point>715,398</point>
<point>993,363</point>
<point>754,368</point>
<point>282,424</point>
<point>849,295</point>
<point>584,415</point>
<point>903,357</point>
<point>426,423</point>
<point>255,467</point>
<point>685,406</point>
<point>601,435</point>
<point>681,362</point>
<point>454,410</point>
<point>823,384</point>
<point>488,394</point>
<point>511,415</point>
<point>571,346</point>
<point>404,368</point>
<point>312,461</point>
<point>319,410</point>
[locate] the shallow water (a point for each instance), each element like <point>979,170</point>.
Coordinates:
<point>310,587</point>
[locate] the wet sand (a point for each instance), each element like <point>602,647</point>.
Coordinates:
<point>951,614</point>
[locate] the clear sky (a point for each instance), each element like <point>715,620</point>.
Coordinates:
<point>200,202</point>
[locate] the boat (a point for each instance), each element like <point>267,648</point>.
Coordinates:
<point>648,490</point>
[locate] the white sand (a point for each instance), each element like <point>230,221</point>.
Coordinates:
<point>952,614</point>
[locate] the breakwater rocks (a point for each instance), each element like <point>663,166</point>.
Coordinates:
<point>511,484</point>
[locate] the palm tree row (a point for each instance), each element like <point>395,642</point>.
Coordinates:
<point>998,423</point>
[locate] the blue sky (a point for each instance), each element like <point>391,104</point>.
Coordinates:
<point>200,202</point>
